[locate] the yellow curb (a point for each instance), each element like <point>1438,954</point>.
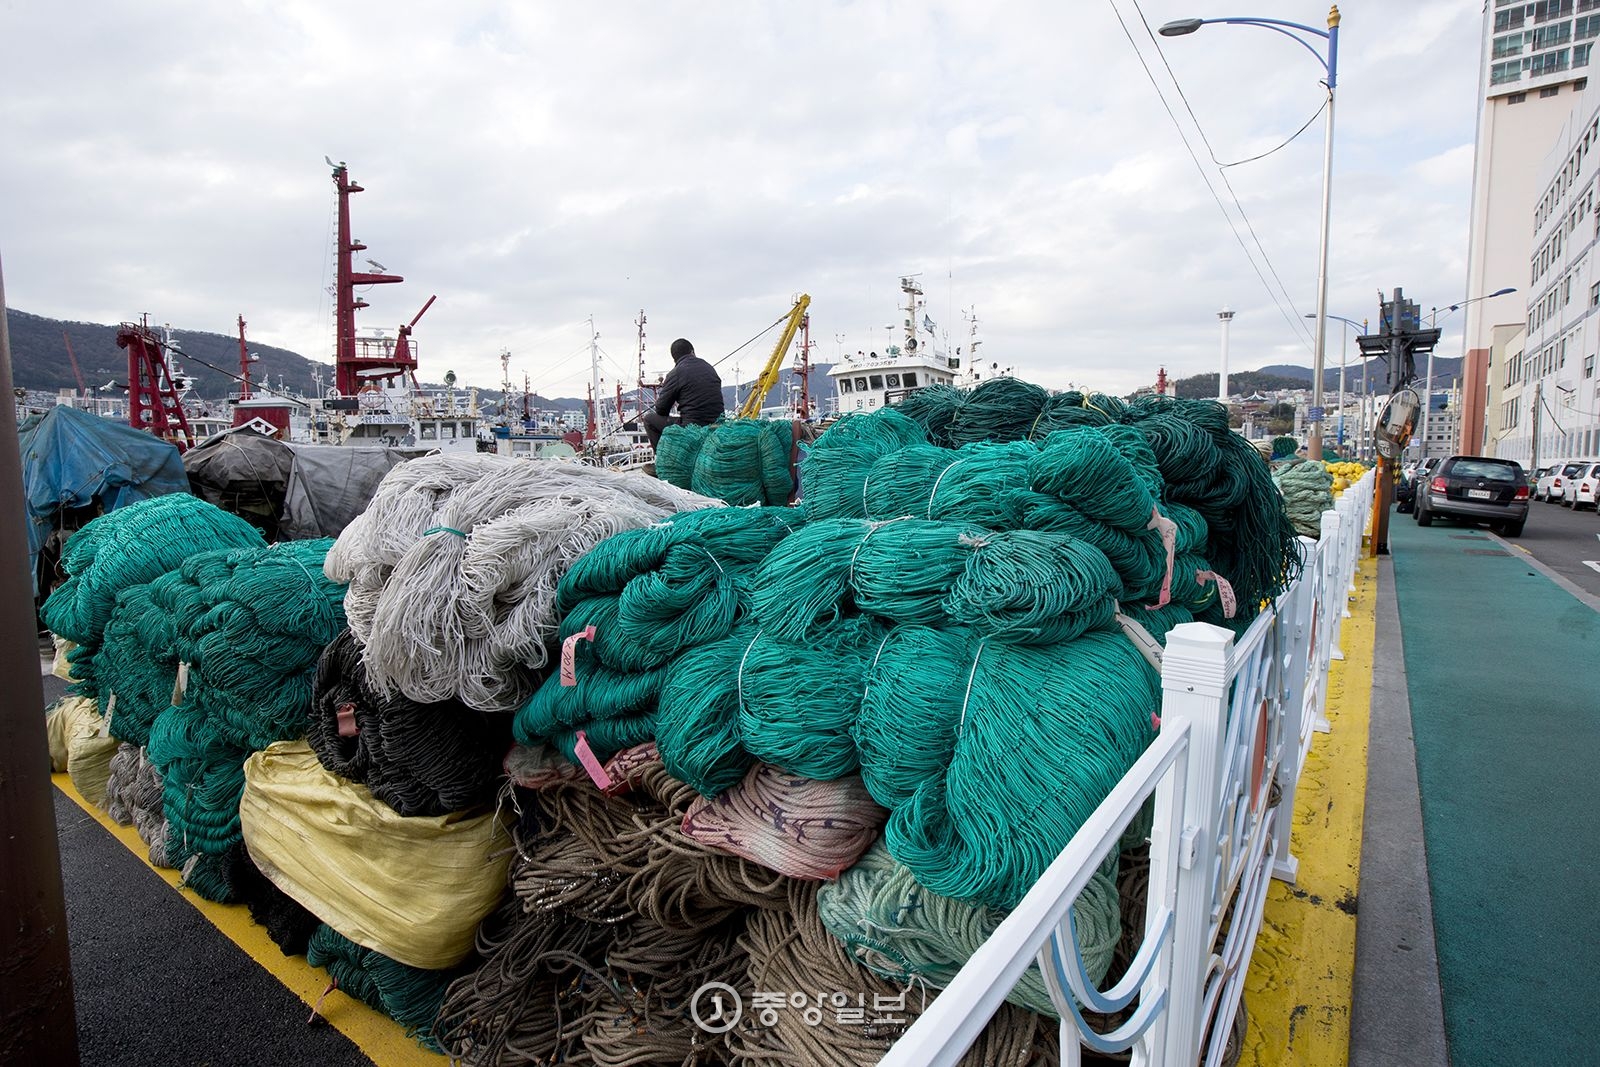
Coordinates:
<point>378,1036</point>
<point>1298,990</point>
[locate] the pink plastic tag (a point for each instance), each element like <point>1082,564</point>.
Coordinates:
<point>346,715</point>
<point>1169,541</point>
<point>1230,603</point>
<point>587,760</point>
<point>569,652</point>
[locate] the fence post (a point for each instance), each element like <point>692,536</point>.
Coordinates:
<point>1333,583</point>
<point>1195,676</point>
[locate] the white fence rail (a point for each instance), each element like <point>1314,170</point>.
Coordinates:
<point>1237,721</point>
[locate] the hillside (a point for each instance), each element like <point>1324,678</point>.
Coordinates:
<point>1242,383</point>
<point>39,357</point>
<point>1445,371</point>
<point>39,362</point>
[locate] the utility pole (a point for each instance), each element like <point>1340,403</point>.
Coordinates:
<point>1538,392</point>
<point>1399,340</point>
<point>1225,316</point>
<point>37,1017</point>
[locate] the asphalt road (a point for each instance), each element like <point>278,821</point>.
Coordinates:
<point>1565,541</point>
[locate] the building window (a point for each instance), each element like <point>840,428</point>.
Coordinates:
<point>1583,29</point>
<point>1550,36</point>
<point>1545,10</point>
<point>1502,73</point>
<point>1508,20</point>
<point>1549,91</point>
<point>1588,366</point>
<point>1549,63</point>
<point>1594,295</point>
<point>1511,46</point>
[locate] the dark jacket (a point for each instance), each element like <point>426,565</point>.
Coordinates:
<point>694,386</point>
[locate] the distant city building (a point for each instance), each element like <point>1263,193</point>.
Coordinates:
<point>1535,60</point>
<point>1548,397</point>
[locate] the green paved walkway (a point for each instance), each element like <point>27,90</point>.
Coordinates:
<point>1502,670</point>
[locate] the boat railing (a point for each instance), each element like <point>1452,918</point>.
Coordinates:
<point>1237,714</point>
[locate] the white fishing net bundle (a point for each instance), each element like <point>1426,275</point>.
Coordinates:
<point>452,569</point>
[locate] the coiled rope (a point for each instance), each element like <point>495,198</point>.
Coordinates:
<point>420,759</point>
<point>441,615</point>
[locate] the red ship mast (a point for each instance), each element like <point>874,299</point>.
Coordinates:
<point>153,403</point>
<point>359,360</point>
<point>244,364</point>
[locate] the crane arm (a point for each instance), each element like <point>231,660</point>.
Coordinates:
<point>769,374</point>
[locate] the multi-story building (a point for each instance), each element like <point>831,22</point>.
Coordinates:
<point>1535,60</point>
<point>1550,397</point>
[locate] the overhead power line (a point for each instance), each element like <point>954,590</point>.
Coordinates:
<point>1290,318</point>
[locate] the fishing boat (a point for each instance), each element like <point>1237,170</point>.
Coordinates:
<point>867,381</point>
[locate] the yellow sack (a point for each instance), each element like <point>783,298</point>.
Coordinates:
<point>55,735</point>
<point>89,749</point>
<point>59,666</point>
<point>413,889</point>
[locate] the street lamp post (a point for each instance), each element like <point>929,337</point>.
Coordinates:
<point>1330,63</point>
<point>1344,347</point>
<point>1427,402</point>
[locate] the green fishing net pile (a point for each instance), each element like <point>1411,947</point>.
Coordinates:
<point>738,461</point>
<point>651,595</point>
<point>948,453</point>
<point>409,995</point>
<point>206,663</point>
<point>1307,492</point>
<point>125,548</point>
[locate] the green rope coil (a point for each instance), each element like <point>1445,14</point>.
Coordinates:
<point>1023,742</point>
<point>746,461</point>
<point>1012,585</point>
<point>933,407</point>
<point>1307,490</point>
<point>900,930</point>
<point>996,409</point>
<point>834,469</point>
<point>616,709</point>
<point>131,546</point>
<point>697,730</point>
<point>678,451</point>
<point>410,996</point>
<point>798,703</point>
<point>983,484</point>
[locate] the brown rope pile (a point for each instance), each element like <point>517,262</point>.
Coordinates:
<point>615,918</point>
<point>850,1017</point>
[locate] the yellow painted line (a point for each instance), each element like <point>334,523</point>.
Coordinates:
<point>1298,991</point>
<point>382,1039</point>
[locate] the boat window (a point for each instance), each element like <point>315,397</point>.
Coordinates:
<point>893,380</point>
<point>877,381</point>
<point>449,429</point>
<point>861,384</point>
<point>466,429</point>
<point>911,380</point>
<point>522,446</point>
<point>846,385</point>
<point>429,431</point>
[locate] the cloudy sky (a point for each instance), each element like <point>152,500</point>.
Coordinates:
<point>538,164</point>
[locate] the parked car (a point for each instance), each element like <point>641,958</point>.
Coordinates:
<point>1583,488</point>
<point>1553,483</point>
<point>1405,491</point>
<point>1476,489</point>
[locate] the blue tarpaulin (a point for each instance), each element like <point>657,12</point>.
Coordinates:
<point>73,459</point>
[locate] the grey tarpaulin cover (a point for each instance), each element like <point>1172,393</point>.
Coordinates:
<point>291,491</point>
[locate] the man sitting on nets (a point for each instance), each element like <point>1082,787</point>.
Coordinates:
<point>693,385</point>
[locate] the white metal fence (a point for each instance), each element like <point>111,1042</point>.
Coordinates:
<point>1237,721</point>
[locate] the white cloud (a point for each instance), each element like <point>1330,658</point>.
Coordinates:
<point>535,165</point>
